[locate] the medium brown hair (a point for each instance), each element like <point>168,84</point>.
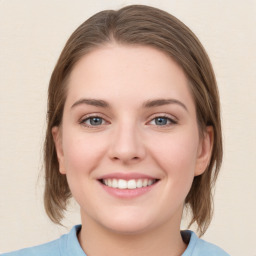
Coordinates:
<point>138,25</point>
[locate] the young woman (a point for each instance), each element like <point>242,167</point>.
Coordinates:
<point>134,135</point>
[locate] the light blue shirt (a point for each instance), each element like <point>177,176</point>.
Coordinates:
<point>68,245</point>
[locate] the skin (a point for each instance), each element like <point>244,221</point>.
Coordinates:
<point>129,139</point>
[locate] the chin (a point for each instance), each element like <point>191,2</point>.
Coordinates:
<point>128,224</point>
<point>128,229</point>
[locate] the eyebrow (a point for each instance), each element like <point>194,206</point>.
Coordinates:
<point>147,104</point>
<point>162,102</point>
<point>92,102</point>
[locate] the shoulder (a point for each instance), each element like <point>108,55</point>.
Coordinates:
<point>199,247</point>
<point>57,247</point>
<point>51,248</point>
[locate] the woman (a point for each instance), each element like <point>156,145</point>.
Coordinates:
<point>134,135</point>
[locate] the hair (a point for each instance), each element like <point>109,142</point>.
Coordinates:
<point>146,26</point>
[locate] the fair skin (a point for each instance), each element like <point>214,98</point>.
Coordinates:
<point>129,118</point>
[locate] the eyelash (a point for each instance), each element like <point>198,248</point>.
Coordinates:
<point>170,121</point>
<point>89,118</point>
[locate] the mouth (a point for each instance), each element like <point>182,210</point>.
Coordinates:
<point>128,184</point>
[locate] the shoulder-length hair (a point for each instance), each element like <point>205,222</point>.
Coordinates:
<point>138,25</point>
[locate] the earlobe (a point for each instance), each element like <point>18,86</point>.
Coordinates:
<point>205,151</point>
<point>56,134</point>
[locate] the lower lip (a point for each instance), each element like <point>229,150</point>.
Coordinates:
<point>127,193</point>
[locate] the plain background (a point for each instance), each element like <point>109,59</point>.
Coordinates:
<point>32,34</point>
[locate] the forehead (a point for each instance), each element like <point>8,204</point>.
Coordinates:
<point>121,71</point>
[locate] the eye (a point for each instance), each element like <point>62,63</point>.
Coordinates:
<point>162,121</point>
<point>93,121</point>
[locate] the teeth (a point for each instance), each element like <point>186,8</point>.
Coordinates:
<point>114,183</point>
<point>150,182</point>
<point>144,183</point>
<point>128,184</point>
<point>122,184</point>
<point>139,183</point>
<point>131,184</point>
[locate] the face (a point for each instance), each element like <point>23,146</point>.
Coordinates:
<point>129,142</point>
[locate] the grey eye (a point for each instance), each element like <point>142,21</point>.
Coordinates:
<point>161,120</point>
<point>94,121</point>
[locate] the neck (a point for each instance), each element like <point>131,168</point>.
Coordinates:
<point>164,240</point>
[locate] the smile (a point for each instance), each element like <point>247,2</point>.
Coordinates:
<point>128,184</point>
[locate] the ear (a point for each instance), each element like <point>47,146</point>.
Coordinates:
<point>56,134</point>
<point>204,151</point>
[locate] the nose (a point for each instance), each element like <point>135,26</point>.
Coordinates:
<point>127,145</point>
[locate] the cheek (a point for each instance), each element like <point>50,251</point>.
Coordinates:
<point>177,155</point>
<point>180,146</point>
<point>81,152</point>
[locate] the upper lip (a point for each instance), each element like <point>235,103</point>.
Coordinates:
<point>126,176</point>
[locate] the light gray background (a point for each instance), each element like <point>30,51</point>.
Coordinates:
<point>32,34</point>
